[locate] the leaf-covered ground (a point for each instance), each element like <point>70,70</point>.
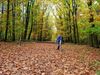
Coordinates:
<point>31,58</point>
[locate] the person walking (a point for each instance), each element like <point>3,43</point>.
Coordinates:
<point>59,42</point>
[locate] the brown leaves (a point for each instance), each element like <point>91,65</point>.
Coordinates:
<point>44,59</point>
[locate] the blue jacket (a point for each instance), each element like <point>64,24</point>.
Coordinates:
<point>59,38</point>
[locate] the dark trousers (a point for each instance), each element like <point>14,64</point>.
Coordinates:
<point>59,46</point>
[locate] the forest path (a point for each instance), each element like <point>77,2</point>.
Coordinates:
<point>31,58</point>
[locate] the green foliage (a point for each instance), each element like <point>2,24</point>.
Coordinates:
<point>94,30</point>
<point>98,72</point>
<point>94,65</point>
<point>48,14</point>
<point>98,1</point>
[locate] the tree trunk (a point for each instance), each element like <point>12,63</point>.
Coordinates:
<point>31,26</point>
<point>1,21</point>
<point>96,41</point>
<point>69,19</point>
<point>13,21</point>
<point>75,27</point>
<point>27,21</point>
<point>73,14</point>
<point>23,13</point>
<point>7,22</point>
<point>2,7</point>
<point>77,32</point>
<point>41,32</point>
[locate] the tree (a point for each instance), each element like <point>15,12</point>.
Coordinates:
<point>31,19</point>
<point>27,19</point>
<point>69,20</point>
<point>31,26</point>
<point>7,21</point>
<point>42,20</point>
<point>93,36</point>
<point>13,20</point>
<point>1,21</point>
<point>75,27</point>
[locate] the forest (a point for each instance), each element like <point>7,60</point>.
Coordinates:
<point>29,30</point>
<point>78,21</point>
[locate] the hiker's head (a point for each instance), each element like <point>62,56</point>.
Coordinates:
<point>60,34</point>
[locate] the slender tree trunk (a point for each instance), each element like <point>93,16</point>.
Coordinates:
<point>27,21</point>
<point>2,7</point>
<point>13,21</point>
<point>31,26</point>
<point>74,31</point>
<point>41,27</point>
<point>70,28</point>
<point>96,41</point>
<point>1,21</point>
<point>69,21</point>
<point>41,30</point>
<point>7,22</point>
<point>77,32</point>
<point>92,35</point>
<point>73,14</point>
<point>23,13</point>
<point>91,40</point>
<point>35,30</point>
<point>75,27</point>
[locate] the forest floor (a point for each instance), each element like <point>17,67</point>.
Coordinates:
<point>31,58</point>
